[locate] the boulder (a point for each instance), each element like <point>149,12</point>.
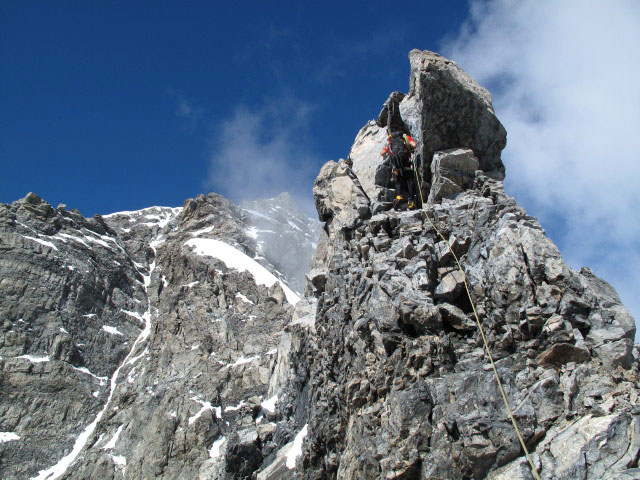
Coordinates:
<point>562,353</point>
<point>452,171</point>
<point>450,287</point>
<point>338,199</point>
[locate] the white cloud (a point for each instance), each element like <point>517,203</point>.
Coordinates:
<point>187,109</point>
<point>564,77</point>
<point>261,152</point>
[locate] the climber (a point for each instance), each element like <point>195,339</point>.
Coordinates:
<point>398,152</point>
<point>398,149</point>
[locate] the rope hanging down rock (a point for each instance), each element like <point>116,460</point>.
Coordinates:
<point>481,330</point>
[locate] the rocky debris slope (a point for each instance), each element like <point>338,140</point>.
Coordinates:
<point>285,236</point>
<point>384,371</point>
<point>138,344</point>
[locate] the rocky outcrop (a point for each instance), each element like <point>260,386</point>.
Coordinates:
<point>445,108</point>
<point>400,386</point>
<point>396,382</point>
<point>452,172</point>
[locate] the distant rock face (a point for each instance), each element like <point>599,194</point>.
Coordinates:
<point>139,342</point>
<point>286,237</point>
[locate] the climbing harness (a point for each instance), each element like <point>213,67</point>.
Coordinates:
<point>481,330</point>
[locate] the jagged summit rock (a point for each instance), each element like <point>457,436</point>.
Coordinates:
<point>444,109</point>
<point>399,382</point>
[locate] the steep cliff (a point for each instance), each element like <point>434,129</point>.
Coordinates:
<point>397,381</point>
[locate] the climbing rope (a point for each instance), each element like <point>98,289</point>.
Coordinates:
<point>484,338</point>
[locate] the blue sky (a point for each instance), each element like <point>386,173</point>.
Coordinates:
<point>120,105</point>
<point>109,106</point>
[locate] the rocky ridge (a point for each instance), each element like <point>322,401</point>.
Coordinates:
<point>396,380</point>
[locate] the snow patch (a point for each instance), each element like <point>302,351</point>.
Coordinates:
<point>241,361</point>
<point>234,258</point>
<point>236,408</point>
<point>65,236</point>
<point>33,359</point>
<point>270,404</point>
<point>135,315</point>
<point>8,437</point>
<point>112,443</point>
<point>41,242</point>
<point>119,460</point>
<point>214,451</point>
<point>296,449</point>
<point>87,372</point>
<point>205,406</point>
<point>243,298</point>
<point>111,330</point>
<point>190,285</point>
<point>135,359</point>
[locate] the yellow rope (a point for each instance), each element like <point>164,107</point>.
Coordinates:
<point>484,338</point>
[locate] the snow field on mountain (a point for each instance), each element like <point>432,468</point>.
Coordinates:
<point>234,258</point>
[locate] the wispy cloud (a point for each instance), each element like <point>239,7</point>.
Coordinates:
<point>186,109</point>
<point>564,77</point>
<point>261,152</point>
